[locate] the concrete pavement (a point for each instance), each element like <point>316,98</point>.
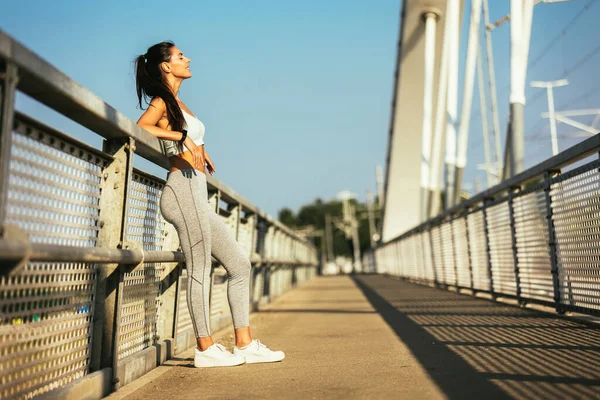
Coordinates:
<point>379,338</point>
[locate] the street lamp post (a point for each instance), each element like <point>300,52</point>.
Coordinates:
<point>549,85</point>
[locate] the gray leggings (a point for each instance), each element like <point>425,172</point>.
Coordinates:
<point>184,203</point>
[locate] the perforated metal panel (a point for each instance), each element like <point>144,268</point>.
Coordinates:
<point>46,311</point>
<point>478,251</point>
<point>576,217</point>
<point>393,264</point>
<point>447,245</point>
<point>531,226</point>
<point>141,289</point>
<point>438,254</point>
<point>501,253</point>
<point>412,260</point>
<point>417,271</point>
<point>145,225</point>
<point>54,189</point>
<point>461,249</point>
<point>427,257</point>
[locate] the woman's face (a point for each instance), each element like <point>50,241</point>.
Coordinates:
<point>179,64</point>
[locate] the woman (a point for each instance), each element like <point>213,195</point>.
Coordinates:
<point>184,203</point>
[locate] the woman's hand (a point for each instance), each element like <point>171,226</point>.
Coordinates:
<point>209,164</point>
<point>197,153</point>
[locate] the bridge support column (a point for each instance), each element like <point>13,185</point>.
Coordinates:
<point>411,116</point>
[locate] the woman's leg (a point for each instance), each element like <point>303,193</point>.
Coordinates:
<point>231,255</point>
<point>183,203</point>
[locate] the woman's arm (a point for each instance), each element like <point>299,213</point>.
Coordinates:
<point>155,112</point>
<point>156,115</point>
<point>209,164</point>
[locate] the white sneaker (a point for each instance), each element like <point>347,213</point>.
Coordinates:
<point>216,356</point>
<point>256,352</point>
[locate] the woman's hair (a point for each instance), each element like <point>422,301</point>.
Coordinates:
<point>150,82</point>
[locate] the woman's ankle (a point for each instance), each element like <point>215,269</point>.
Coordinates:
<point>242,343</point>
<point>204,343</point>
<point>243,337</point>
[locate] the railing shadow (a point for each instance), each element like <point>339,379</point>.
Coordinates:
<point>474,348</point>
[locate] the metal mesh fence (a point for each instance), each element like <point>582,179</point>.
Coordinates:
<point>533,253</point>
<point>447,256</point>
<point>501,252</point>
<point>461,246</point>
<point>46,311</point>
<point>541,244</point>
<point>437,252</point>
<point>576,216</point>
<point>478,251</point>
<point>140,300</point>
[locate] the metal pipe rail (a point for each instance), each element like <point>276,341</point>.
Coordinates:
<point>14,251</point>
<point>86,260</point>
<point>534,237</point>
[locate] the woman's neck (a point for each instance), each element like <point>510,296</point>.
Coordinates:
<point>174,83</point>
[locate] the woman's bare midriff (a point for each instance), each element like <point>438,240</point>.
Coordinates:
<point>184,160</point>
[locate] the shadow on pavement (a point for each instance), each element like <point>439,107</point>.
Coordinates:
<point>474,348</point>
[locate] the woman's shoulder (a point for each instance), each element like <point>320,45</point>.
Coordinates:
<point>159,103</point>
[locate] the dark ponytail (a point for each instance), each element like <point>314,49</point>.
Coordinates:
<point>150,83</point>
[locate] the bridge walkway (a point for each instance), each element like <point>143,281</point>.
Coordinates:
<point>375,337</point>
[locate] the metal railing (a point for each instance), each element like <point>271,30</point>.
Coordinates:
<point>90,273</point>
<point>534,237</point>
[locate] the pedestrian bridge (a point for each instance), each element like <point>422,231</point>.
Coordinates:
<point>92,283</point>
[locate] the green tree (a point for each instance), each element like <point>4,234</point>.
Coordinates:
<point>313,214</point>
<point>286,216</point>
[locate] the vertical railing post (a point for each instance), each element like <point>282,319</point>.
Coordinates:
<point>236,210</point>
<point>112,220</point>
<point>261,249</point>
<point>552,244</point>
<point>251,221</point>
<point>8,87</point>
<point>513,235</point>
<point>487,246</point>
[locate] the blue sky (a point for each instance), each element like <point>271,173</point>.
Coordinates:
<point>295,95</point>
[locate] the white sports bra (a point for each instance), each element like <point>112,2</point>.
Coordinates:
<point>195,130</point>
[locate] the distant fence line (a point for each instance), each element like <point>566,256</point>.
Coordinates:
<point>91,279</point>
<point>534,237</point>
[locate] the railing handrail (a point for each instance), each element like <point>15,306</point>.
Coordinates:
<point>50,86</point>
<point>568,156</point>
<point>17,250</point>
